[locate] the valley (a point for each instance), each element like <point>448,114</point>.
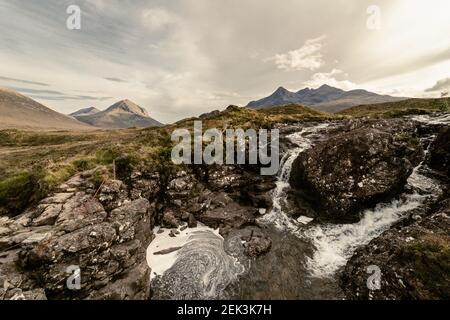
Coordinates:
<point>141,227</point>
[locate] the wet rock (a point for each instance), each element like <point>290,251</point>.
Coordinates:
<point>24,236</point>
<point>356,169</point>
<point>225,178</point>
<point>58,198</point>
<point>257,245</point>
<point>108,249</point>
<point>167,251</point>
<point>413,258</point>
<point>182,185</point>
<point>172,234</point>
<point>192,222</point>
<point>185,216</point>
<point>133,284</point>
<point>144,188</point>
<point>440,152</point>
<point>106,237</point>
<point>4,231</point>
<point>258,192</point>
<point>79,211</point>
<point>49,215</point>
<point>112,194</point>
<point>231,215</point>
<point>170,220</point>
<point>73,184</point>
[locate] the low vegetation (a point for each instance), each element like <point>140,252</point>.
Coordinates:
<point>29,171</point>
<point>18,138</point>
<point>32,164</point>
<point>398,109</point>
<point>429,257</point>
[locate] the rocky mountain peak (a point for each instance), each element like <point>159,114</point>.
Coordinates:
<point>128,106</point>
<point>281,91</point>
<point>325,98</point>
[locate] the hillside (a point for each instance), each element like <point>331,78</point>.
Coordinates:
<point>399,108</point>
<point>20,112</point>
<point>123,114</point>
<point>244,117</point>
<point>85,112</point>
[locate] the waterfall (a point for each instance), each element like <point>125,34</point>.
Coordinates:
<point>303,141</point>
<point>334,244</point>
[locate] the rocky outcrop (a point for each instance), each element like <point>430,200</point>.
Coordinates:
<point>357,168</point>
<point>257,244</point>
<point>413,257</point>
<point>440,152</point>
<point>103,229</point>
<point>103,234</point>
<point>220,197</point>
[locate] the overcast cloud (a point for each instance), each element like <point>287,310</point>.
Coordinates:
<point>180,58</point>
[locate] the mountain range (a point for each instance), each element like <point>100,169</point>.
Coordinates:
<point>325,98</point>
<point>123,114</point>
<point>20,112</point>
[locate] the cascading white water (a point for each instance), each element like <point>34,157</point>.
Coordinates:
<point>443,119</point>
<point>303,141</point>
<point>335,243</point>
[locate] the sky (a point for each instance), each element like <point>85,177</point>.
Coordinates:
<point>181,58</point>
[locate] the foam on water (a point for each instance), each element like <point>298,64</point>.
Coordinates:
<point>200,269</point>
<point>161,263</point>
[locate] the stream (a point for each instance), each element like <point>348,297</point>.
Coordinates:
<point>305,258</point>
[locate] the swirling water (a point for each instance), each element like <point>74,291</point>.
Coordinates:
<point>198,269</point>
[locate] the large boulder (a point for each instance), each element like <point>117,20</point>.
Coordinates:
<point>105,234</point>
<point>355,169</point>
<point>105,249</point>
<point>440,152</point>
<point>221,211</point>
<point>413,259</point>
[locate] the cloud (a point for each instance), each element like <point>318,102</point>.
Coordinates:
<point>185,57</point>
<point>329,78</point>
<point>56,95</point>
<point>443,84</point>
<point>116,80</point>
<point>35,91</point>
<point>157,18</point>
<point>309,56</point>
<point>68,97</point>
<point>24,81</point>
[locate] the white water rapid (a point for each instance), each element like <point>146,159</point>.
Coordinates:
<point>335,243</point>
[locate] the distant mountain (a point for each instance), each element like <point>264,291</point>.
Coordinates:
<point>123,114</point>
<point>325,98</point>
<point>85,112</point>
<point>20,112</point>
